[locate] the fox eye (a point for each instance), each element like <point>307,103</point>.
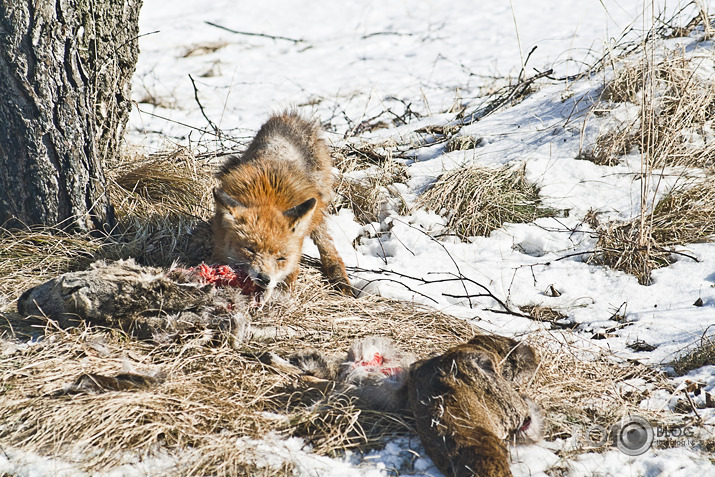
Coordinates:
<point>251,250</point>
<point>281,259</point>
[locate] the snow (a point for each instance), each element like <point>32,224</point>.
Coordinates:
<point>354,61</point>
<point>666,462</point>
<point>29,464</point>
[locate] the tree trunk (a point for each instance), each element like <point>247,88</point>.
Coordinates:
<point>65,79</point>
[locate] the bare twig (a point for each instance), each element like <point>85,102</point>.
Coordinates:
<point>451,258</point>
<point>369,282</point>
<point>195,128</point>
<point>262,35</point>
<point>515,91</point>
<point>201,108</point>
<point>386,33</point>
<point>453,278</point>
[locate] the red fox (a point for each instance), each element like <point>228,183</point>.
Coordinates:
<point>270,198</point>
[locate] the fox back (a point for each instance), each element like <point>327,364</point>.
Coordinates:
<point>271,198</point>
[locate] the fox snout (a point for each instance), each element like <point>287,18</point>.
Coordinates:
<point>264,272</point>
<point>261,279</point>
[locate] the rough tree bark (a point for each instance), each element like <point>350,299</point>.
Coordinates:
<point>65,72</point>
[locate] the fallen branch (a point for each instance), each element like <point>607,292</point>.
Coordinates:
<point>515,91</point>
<point>262,35</point>
<point>453,278</point>
<point>369,282</point>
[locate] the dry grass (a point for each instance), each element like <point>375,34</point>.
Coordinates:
<point>626,84</point>
<point>685,215</point>
<point>675,95</point>
<point>201,404</point>
<point>209,396</point>
<point>550,315</point>
<point>159,200</point>
<point>610,147</point>
<point>701,355</point>
<point>461,142</point>
<point>677,102</point>
<point>477,200</point>
<point>579,387</point>
<point>366,183</point>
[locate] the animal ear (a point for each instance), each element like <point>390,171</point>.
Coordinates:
<point>299,211</point>
<point>520,364</point>
<point>225,200</point>
<point>481,360</point>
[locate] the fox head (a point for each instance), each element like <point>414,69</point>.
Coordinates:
<point>262,240</point>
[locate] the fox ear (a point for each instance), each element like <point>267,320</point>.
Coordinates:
<point>225,200</point>
<point>300,211</point>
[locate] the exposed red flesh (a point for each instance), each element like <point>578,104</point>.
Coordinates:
<point>225,276</point>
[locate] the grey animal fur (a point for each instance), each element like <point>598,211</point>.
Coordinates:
<point>143,301</point>
<point>376,387</point>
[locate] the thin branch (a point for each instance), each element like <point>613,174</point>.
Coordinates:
<point>454,262</point>
<point>488,292</point>
<point>262,35</point>
<point>201,108</point>
<point>523,67</point>
<point>516,90</point>
<point>509,312</point>
<point>137,37</point>
<point>453,278</point>
<point>386,33</point>
<point>202,130</point>
<point>369,282</point>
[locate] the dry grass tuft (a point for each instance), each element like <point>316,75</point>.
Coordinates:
<point>339,423</point>
<point>701,355</point>
<point>171,182</point>
<point>366,183</point>
<point>477,200</point>
<point>626,84</point>
<point>462,143</point>
<point>677,102</point>
<point>548,315</point>
<point>685,215</point>
<point>610,147</point>
<point>159,200</point>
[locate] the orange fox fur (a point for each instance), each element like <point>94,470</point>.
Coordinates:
<point>271,198</point>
